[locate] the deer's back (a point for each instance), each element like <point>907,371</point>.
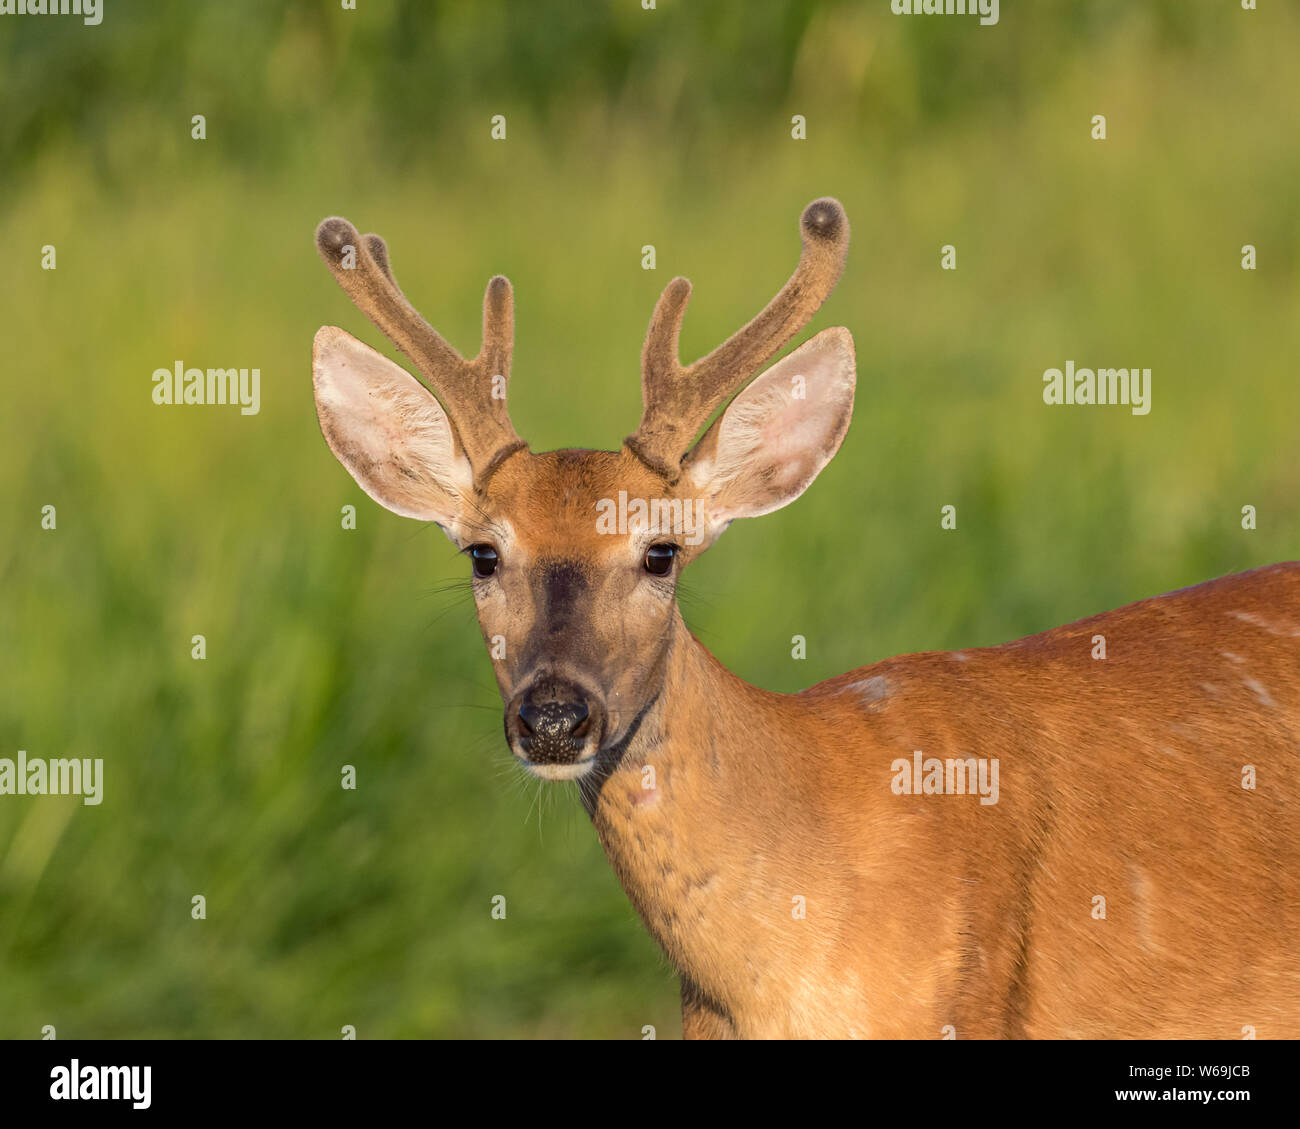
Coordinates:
<point>1142,858</point>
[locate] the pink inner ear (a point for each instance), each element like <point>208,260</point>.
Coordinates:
<point>794,435</point>
<point>387,429</point>
<point>776,436</point>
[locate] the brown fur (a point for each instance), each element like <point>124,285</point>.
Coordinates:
<point>1119,777</point>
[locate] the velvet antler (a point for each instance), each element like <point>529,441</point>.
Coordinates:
<point>677,401</point>
<point>472,392</point>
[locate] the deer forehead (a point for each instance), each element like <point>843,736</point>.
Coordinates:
<point>549,504</point>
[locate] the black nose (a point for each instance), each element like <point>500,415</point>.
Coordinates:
<point>559,719</point>
<point>553,722</point>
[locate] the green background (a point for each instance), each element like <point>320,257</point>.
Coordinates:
<point>625,127</point>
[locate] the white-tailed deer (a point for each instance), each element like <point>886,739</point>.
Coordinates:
<point>1121,857</point>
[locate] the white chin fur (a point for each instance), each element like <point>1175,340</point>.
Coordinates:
<point>560,771</point>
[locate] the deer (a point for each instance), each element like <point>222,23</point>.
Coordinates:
<point>810,863</point>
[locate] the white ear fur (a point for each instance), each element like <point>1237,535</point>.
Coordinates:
<point>775,437</point>
<point>388,430</point>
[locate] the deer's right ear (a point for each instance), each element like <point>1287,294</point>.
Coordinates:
<point>388,430</point>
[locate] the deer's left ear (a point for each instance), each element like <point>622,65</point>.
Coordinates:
<point>775,437</point>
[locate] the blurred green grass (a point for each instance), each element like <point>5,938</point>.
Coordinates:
<point>329,647</point>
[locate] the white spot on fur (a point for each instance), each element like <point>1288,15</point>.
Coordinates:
<point>1140,884</point>
<point>873,690</point>
<point>1257,688</point>
<point>1287,630</point>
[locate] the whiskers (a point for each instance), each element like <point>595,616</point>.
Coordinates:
<point>449,597</point>
<point>696,604</point>
<point>542,796</point>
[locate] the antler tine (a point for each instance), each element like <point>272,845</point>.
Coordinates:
<point>498,329</point>
<point>469,391</point>
<point>677,401</point>
<point>379,252</point>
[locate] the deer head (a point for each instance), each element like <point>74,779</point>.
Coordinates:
<point>576,554</point>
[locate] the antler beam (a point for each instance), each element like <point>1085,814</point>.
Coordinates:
<point>677,401</point>
<point>472,391</point>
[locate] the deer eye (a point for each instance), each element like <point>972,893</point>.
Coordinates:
<point>659,559</point>
<point>485,560</point>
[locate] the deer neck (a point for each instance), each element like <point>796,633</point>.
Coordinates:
<point>712,829</point>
